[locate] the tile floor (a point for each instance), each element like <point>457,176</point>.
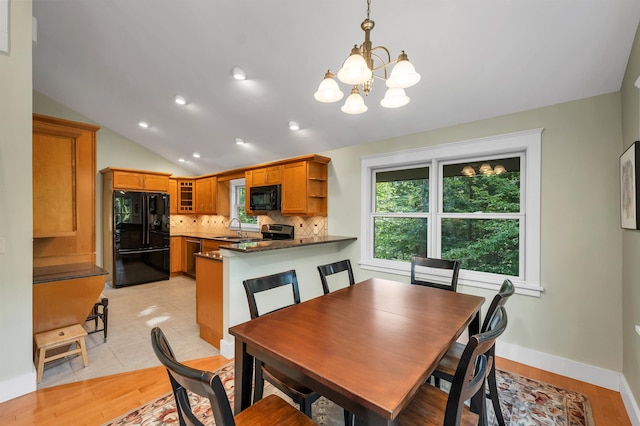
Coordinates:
<point>133,312</point>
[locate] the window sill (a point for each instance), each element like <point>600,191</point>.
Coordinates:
<point>466,278</point>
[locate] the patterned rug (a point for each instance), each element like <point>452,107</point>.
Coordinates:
<point>523,400</point>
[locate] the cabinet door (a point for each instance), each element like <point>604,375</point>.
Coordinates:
<point>210,245</point>
<point>294,188</point>
<point>185,196</point>
<point>266,176</point>
<point>176,255</point>
<point>128,180</point>
<point>173,196</point>
<point>205,201</point>
<point>156,183</point>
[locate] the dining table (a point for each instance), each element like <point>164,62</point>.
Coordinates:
<point>367,347</point>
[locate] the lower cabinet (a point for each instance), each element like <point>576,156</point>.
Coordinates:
<point>176,256</point>
<point>209,299</point>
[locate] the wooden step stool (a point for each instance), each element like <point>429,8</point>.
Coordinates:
<point>59,337</point>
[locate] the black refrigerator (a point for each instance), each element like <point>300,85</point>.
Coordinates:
<point>141,239</point>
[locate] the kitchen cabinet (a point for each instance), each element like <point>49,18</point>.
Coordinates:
<point>176,256</point>
<point>205,199</point>
<point>223,200</point>
<point>173,196</point>
<point>266,176</point>
<point>211,245</point>
<point>185,196</point>
<point>137,180</point>
<point>63,173</point>
<point>304,188</point>
<point>209,303</point>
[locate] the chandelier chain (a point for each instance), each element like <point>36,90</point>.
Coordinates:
<point>368,8</point>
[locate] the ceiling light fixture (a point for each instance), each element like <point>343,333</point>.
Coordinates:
<point>240,141</point>
<point>485,169</point>
<point>238,73</point>
<point>294,126</point>
<point>143,124</point>
<point>181,160</point>
<point>196,155</point>
<point>359,70</point>
<point>180,100</point>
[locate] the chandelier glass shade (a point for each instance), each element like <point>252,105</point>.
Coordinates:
<point>359,71</point>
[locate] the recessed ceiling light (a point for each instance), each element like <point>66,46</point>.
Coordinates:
<point>240,141</point>
<point>181,160</point>
<point>180,100</point>
<point>143,124</point>
<point>294,126</point>
<point>196,155</point>
<point>238,73</point>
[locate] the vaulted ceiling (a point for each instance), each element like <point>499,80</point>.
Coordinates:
<point>119,62</point>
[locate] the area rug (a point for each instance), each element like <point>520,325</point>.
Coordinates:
<point>523,400</point>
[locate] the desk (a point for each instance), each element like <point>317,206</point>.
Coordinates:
<point>367,347</point>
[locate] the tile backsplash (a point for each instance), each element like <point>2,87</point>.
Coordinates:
<point>214,224</point>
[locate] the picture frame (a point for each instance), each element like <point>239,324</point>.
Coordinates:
<point>629,194</point>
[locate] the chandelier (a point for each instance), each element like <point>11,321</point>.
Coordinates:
<point>359,70</point>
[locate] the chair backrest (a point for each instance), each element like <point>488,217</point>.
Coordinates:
<point>335,268</point>
<point>427,262</point>
<point>183,378</point>
<point>506,291</point>
<point>474,365</point>
<point>253,286</point>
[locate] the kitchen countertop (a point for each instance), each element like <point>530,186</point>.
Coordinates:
<point>45,274</point>
<point>258,246</point>
<point>213,255</point>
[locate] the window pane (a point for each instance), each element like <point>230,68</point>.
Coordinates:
<point>486,186</point>
<point>399,238</point>
<point>485,245</point>
<point>402,191</point>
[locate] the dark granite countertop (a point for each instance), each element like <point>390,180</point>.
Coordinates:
<point>212,255</point>
<point>259,246</point>
<point>45,274</point>
<point>205,235</point>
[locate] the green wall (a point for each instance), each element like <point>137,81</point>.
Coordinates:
<point>631,239</point>
<point>578,316</point>
<point>17,374</point>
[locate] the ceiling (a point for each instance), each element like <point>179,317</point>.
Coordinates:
<point>118,62</point>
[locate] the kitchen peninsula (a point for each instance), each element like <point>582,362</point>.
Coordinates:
<point>245,260</point>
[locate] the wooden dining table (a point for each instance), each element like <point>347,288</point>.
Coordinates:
<point>367,347</point>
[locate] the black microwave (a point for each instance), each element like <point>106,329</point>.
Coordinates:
<point>262,198</point>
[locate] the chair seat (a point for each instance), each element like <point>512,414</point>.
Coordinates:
<point>428,408</point>
<point>281,380</point>
<point>448,364</point>
<point>272,410</point>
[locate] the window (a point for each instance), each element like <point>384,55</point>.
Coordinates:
<point>238,207</point>
<point>477,201</point>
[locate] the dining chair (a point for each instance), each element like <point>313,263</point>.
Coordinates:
<point>297,392</point>
<point>268,411</point>
<point>433,406</point>
<point>447,366</point>
<point>335,268</point>
<point>419,264</point>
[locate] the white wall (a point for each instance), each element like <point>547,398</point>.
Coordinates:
<point>578,317</point>
<point>17,374</point>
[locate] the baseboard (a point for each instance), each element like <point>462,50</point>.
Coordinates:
<point>18,386</point>
<point>629,402</point>
<point>227,349</point>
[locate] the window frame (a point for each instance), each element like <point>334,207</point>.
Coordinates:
<point>526,143</point>
<point>234,184</point>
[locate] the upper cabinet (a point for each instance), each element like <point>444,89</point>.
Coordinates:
<point>173,196</point>
<point>265,176</point>
<point>136,180</point>
<point>64,170</point>
<point>186,196</point>
<point>304,187</point>
<point>205,201</point>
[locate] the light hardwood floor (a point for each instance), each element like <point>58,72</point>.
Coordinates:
<point>96,401</point>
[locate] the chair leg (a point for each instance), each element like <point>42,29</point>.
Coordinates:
<point>258,382</point>
<point>348,418</point>
<point>105,316</point>
<point>305,406</point>
<point>493,395</point>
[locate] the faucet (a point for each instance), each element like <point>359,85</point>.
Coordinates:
<point>239,226</point>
